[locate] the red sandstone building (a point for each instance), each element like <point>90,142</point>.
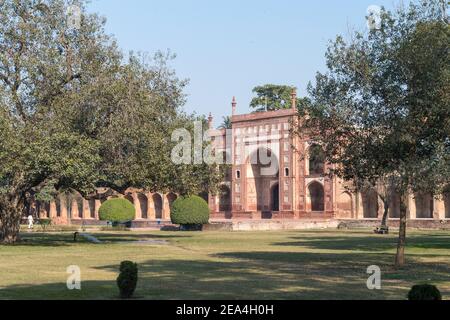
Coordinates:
<point>291,186</point>
<point>299,189</point>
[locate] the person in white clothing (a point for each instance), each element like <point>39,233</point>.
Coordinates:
<point>30,222</point>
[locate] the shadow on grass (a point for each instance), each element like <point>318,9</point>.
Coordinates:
<point>198,280</point>
<point>369,243</point>
<point>41,239</point>
<point>253,275</point>
<point>132,237</point>
<point>323,274</point>
<point>90,290</point>
<point>61,239</point>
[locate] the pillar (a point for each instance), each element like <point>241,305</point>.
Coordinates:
<point>63,209</point>
<point>75,211</point>
<point>53,211</point>
<point>359,207</point>
<point>439,209</point>
<point>412,207</point>
<point>212,202</point>
<point>151,212</point>
<point>43,214</point>
<point>86,209</point>
<point>98,204</point>
<point>137,206</point>
<point>166,208</point>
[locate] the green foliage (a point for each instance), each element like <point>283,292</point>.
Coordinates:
<point>190,211</point>
<point>44,223</point>
<point>272,97</point>
<point>117,210</point>
<point>381,110</point>
<point>424,292</point>
<point>226,124</point>
<point>127,280</point>
<point>69,121</point>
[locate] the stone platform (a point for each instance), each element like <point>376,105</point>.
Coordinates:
<point>270,225</point>
<point>280,224</point>
<point>394,223</point>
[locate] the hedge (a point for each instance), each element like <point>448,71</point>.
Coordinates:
<point>127,280</point>
<point>190,211</point>
<point>425,292</point>
<point>117,210</point>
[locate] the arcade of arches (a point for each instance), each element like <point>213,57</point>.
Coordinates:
<point>73,207</point>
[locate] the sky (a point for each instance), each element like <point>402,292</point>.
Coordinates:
<point>227,47</point>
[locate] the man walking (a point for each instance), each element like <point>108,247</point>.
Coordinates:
<point>30,222</point>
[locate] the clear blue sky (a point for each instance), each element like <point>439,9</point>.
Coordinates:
<point>227,47</point>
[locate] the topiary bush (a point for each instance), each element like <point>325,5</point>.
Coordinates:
<point>424,292</point>
<point>190,211</point>
<point>117,210</point>
<point>127,280</point>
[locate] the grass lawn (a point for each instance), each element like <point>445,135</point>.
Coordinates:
<point>222,265</point>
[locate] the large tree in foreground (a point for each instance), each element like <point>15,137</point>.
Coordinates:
<point>382,110</point>
<point>76,115</point>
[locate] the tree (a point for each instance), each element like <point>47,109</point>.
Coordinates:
<point>76,115</point>
<point>226,124</point>
<point>39,68</point>
<point>381,111</point>
<point>271,97</point>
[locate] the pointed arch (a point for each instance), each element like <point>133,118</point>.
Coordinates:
<point>224,198</point>
<point>263,168</point>
<point>370,204</point>
<point>447,204</point>
<point>424,205</point>
<point>158,205</point>
<point>316,160</point>
<point>171,197</point>
<point>92,208</point>
<point>275,197</point>
<point>394,205</point>
<point>345,204</point>
<point>316,193</point>
<point>143,203</point>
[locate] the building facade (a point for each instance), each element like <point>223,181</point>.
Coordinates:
<point>271,174</point>
<point>298,188</point>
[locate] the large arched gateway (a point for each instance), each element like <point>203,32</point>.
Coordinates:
<point>262,172</point>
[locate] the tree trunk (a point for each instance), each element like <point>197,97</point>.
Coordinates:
<point>385,214</point>
<point>400,258</point>
<point>11,210</point>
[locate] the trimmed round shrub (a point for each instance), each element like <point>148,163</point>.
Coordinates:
<point>117,210</point>
<point>190,211</point>
<point>426,292</point>
<point>127,280</point>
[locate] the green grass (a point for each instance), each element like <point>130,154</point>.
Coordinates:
<point>222,265</point>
